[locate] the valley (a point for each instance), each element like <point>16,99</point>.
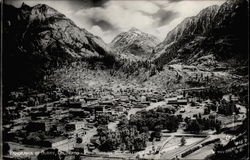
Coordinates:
<point>67,94</point>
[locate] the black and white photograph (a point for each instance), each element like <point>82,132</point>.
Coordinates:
<point>124,80</point>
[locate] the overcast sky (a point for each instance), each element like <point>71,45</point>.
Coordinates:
<point>107,18</point>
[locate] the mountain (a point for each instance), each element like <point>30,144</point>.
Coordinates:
<point>39,38</point>
<point>40,44</point>
<point>216,37</point>
<point>135,42</point>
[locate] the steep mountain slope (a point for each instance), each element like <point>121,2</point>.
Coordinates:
<point>216,37</point>
<point>135,42</point>
<point>37,39</point>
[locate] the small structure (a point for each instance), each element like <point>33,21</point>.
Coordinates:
<point>178,101</point>
<point>56,142</point>
<point>43,125</point>
<point>74,126</point>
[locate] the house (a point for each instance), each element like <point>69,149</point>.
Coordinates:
<point>78,112</point>
<point>124,98</point>
<point>154,100</point>
<point>56,142</point>
<point>74,105</point>
<point>100,108</point>
<point>73,126</point>
<point>231,97</point>
<point>94,139</point>
<point>182,101</point>
<point>91,146</point>
<point>178,101</point>
<point>120,109</point>
<point>60,127</point>
<point>90,100</point>
<point>182,110</point>
<point>37,114</point>
<point>90,125</point>
<point>41,97</point>
<point>107,103</point>
<point>147,103</point>
<point>78,148</point>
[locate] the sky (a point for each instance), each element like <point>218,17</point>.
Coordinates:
<point>108,18</point>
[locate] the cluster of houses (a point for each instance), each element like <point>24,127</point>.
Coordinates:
<point>60,119</point>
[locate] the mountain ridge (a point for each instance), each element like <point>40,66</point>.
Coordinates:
<point>214,31</point>
<point>42,39</point>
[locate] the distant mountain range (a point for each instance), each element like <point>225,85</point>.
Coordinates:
<point>135,42</point>
<point>38,39</point>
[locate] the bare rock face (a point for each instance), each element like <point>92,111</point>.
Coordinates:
<point>135,42</point>
<point>218,31</point>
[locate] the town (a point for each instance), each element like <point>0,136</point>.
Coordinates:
<point>126,123</point>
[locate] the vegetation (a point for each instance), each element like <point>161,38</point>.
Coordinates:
<point>133,134</point>
<point>227,108</point>
<point>78,140</point>
<point>155,120</point>
<point>127,137</point>
<point>104,119</point>
<point>213,93</point>
<point>199,124</point>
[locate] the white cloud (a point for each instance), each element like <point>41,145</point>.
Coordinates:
<point>122,16</point>
<point>117,15</point>
<point>126,14</point>
<point>190,8</point>
<point>144,6</point>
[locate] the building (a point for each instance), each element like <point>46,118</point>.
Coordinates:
<point>186,92</point>
<point>74,126</point>
<point>78,112</point>
<point>124,98</point>
<point>107,103</point>
<point>178,101</point>
<point>231,97</point>
<point>120,109</point>
<point>56,142</point>
<point>43,125</point>
<point>143,98</point>
<point>74,105</point>
<point>37,114</point>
